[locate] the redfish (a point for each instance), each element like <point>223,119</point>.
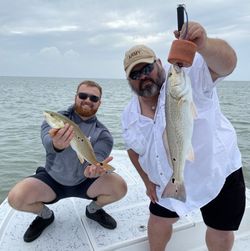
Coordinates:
<point>180,113</point>
<point>80,143</point>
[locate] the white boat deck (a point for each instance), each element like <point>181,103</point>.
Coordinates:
<point>71,230</point>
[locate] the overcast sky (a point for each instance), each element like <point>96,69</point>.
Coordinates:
<point>88,38</point>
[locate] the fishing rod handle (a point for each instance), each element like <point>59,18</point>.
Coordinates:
<point>180,16</point>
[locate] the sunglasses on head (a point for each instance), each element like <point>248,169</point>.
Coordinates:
<point>146,70</point>
<point>93,98</point>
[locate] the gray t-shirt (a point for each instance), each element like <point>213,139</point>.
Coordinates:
<point>64,166</point>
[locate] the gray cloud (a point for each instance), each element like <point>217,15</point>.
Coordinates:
<point>88,38</point>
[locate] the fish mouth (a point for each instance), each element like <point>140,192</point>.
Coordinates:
<point>177,68</point>
<point>174,69</point>
<point>47,114</point>
<point>175,72</point>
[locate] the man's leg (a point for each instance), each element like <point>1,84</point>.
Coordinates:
<point>218,240</point>
<point>223,214</point>
<point>160,226</point>
<point>107,189</point>
<point>28,196</point>
<point>159,232</point>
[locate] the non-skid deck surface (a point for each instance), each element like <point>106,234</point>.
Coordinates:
<point>71,230</point>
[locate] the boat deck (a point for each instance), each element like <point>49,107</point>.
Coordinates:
<point>71,230</point>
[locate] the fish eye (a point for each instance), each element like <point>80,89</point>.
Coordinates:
<point>170,74</point>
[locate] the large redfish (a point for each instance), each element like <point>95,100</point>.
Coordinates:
<point>180,113</point>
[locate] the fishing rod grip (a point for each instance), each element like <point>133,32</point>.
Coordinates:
<point>182,51</point>
<point>180,16</point>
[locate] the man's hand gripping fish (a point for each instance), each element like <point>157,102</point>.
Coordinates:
<point>180,112</point>
<point>80,143</point>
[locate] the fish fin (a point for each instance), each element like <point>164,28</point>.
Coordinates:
<point>166,146</point>
<point>81,159</point>
<point>180,102</point>
<point>108,168</point>
<point>193,110</point>
<point>190,155</point>
<point>175,190</point>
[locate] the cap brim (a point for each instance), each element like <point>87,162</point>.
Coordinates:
<point>143,60</point>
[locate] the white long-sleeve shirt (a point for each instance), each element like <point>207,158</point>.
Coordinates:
<point>214,143</point>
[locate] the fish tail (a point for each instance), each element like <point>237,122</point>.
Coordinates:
<point>175,189</point>
<point>108,168</point>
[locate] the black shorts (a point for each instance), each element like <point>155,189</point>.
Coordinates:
<point>62,191</point>
<point>225,212</point>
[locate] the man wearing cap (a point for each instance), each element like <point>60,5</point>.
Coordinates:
<point>214,181</point>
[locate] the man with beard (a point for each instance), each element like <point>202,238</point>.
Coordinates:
<point>64,176</point>
<point>214,182</point>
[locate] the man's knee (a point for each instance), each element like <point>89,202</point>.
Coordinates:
<point>15,198</point>
<point>219,240</point>
<point>120,188</point>
<point>20,194</point>
<point>163,221</point>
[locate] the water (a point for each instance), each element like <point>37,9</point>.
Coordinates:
<point>24,99</point>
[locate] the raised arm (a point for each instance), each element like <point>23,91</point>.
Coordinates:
<point>218,54</point>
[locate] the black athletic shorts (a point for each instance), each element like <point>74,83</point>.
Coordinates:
<point>225,212</point>
<point>62,191</point>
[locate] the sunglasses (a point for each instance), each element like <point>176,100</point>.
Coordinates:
<point>83,96</point>
<point>146,70</point>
